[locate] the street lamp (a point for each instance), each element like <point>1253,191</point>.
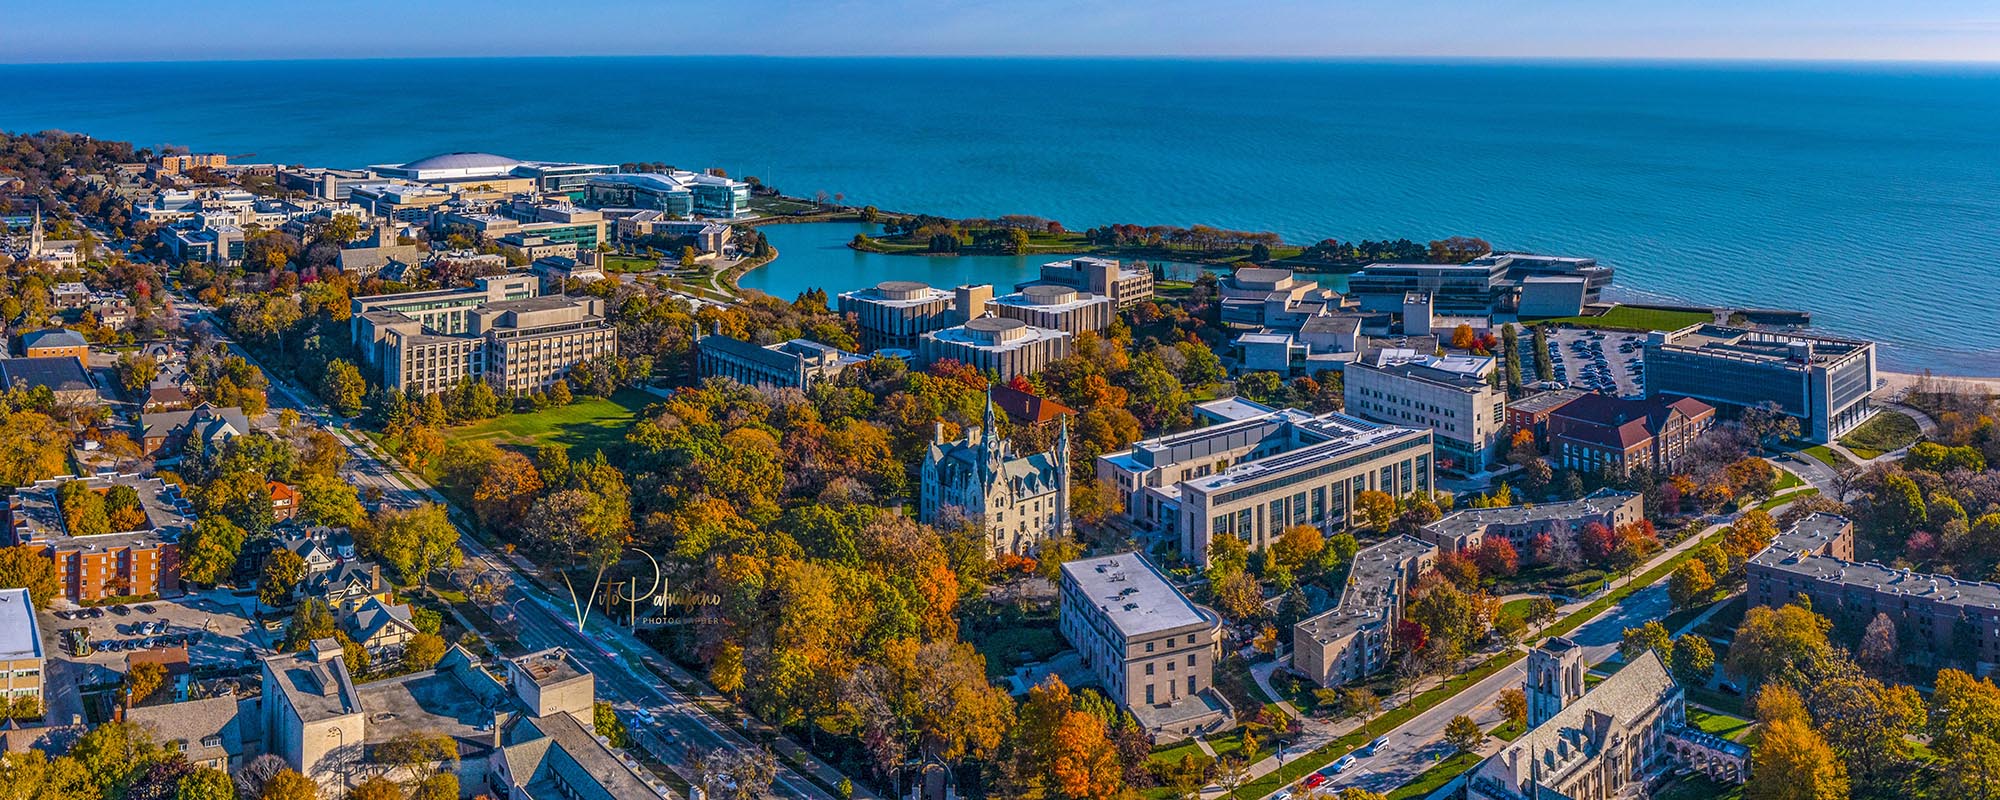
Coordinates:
<point>340,759</point>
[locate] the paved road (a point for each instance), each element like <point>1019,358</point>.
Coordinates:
<point>1418,744</point>
<point>670,724</point>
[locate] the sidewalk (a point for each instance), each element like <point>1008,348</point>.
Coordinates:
<point>1481,693</point>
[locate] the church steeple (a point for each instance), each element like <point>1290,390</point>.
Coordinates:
<point>991,455</point>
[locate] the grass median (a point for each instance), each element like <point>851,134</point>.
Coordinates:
<point>1378,726</point>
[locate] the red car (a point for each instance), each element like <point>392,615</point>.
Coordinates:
<point>1315,781</point>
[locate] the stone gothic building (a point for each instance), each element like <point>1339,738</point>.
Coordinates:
<point>1022,500</point>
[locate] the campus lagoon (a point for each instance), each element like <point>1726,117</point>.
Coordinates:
<point>815,255</point>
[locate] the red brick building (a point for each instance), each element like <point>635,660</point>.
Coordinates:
<point>95,566</point>
<point>1596,433</point>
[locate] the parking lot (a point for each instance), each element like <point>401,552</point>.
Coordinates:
<point>215,626</point>
<point>1606,362</point>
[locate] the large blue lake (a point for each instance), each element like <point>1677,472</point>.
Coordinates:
<point>1869,195</point>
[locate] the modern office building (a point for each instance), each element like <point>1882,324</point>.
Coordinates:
<point>1020,499</point>
<point>21,657</point>
<point>444,311</point>
<point>555,223</point>
<point>1597,743</point>
<point>1056,307</point>
<point>1609,435</point>
<point>1152,650</point>
<point>1002,346</point>
<point>1823,381</point>
<point>501,331</point>
<point>1270,297</point>
<point>704,236</point>
<point>895,314</point>
<point>1955,619</point>
<point>795,364</point>
<point>1355,638</point>
<point>1105,277</point>
<point>398,200</point>
<point>144,558</point>
<point>532,343</point>
<point>1491,283</point>
<point>1261,473</point>
<point>679,193</point>
<point>1450,395</point>
<point>322,182</point>
<point>1462,531</point>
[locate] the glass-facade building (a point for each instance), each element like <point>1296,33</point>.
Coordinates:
<point>1824,382</point>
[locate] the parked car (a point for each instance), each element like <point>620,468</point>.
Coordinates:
<point>1343,764</point>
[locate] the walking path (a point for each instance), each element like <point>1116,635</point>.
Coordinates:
<point>1412,744</point>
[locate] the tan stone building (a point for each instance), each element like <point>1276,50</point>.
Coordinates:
<point>1152,650</point>
<point>1002,346</point>
<point>1353,639</point>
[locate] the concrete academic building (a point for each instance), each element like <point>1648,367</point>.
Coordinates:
<point>1822,381</point>
<point>1262,471</point>
<point>1152,650</point>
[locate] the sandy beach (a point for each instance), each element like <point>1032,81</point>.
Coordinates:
<point>1899,382</point>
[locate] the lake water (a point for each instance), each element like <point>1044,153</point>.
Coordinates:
<point>816,255</point>
<point>1867,194</point>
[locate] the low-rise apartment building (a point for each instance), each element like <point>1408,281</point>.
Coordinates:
<point>1823,381</point>
<point>143,559</point>
<point>1152,650</point>
<point>1355,638</point>
<point>1609,435</point>
<point>1953,618</point>
<point>1450,395</point>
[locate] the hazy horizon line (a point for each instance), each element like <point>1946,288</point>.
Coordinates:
<point>1293,58</point>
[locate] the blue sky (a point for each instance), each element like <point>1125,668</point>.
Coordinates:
<point>143,30</point>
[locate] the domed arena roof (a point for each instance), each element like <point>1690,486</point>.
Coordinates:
<point>463,160</point>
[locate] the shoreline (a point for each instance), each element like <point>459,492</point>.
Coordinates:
<point>1900,382</point>
<point>1897,381</point>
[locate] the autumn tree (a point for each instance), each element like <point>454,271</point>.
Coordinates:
<point>1791,762</point>
<point>1690,584</point>
<point>343,388</point>
<point>1877,653</point>
<point>329,500</point>
<point>1298,546</point>
<point>1693,661</point>
<point>580,530</point>
<point>1062,750</point>
<point>1375,509</point>
<point>1770,641</point>
<point>422,651</point>
<point>1650,636</point>
<point>27,567</point>
<point>1464,735</point>
<point>1513,705</point>
<point>290,785</point>
<point>506,487</point>
<point>417,541</point>
<point>376,787</point>
<point>283,570</point>
<point>142,680</point>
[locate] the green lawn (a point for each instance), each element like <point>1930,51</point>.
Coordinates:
<point>1786,498</point>
<point>1636,318</point>
<point>629,264</point>
<point>1435,777</point>
<point>1723,725</point>
<point>1787,480</point>
<point>1008,648</point>
<point>586,426</point>
<point>1828,457</point>
<point>1698,787</point>
<point>1381,724</point>
<point>1889,430</point>
<point>1509,731</point>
